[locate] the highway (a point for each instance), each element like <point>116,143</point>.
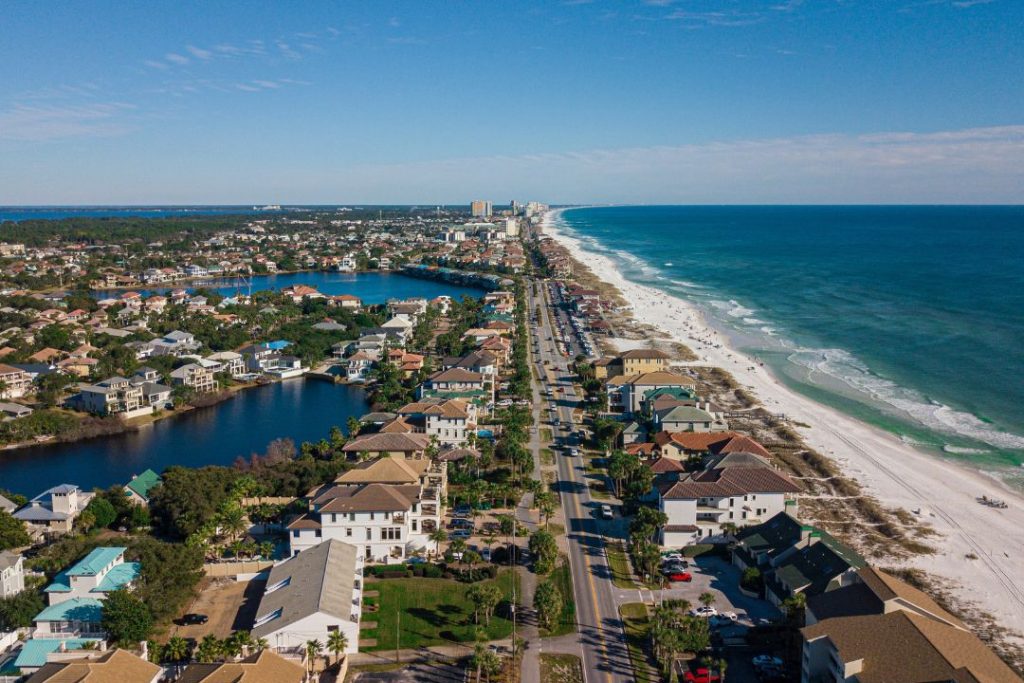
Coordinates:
<point>601,639</point>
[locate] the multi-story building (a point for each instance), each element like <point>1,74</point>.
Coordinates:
<point>626,393</point>
<point>738,490</point>
<point>386,507</point>
<point>14,382</point>
<point>195,376</point>
<point>12,573</point>
<point>55,509</point>
<point>448,421</point>
<point>633,362</point>
<point>116,395</point>
<point>481,208</point>
<point>310,595</point>
<point>100,572</point>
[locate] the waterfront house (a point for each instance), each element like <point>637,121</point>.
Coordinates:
<point>401,326</point>
<point>682,418</point>
<point>7,505</point>
<point>74,618</point>
<point>261,667</point>
<point>100,572</point>
<point>795,558</point>
<point>626,393</point>
<point>12,573</point>
<point>14,382</point>
<point>347,301</point>
<point>55,509</point>
<point>112,396</point>
<point>311,595</point>
<point>409,446</point>
<point>358,366</point>
<point>682,445</point>
<point>739,492</point>
<point>193,375</point>
<point>878,629</point>
<point>89,666</point>
<point>137,490</point>
<point>230,362</point>
<point>481,362</point>
<point>12,411</point>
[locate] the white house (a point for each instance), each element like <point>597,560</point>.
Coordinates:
<point>94,576</point>
<point>386,507</point>
<point>449,421</point>
<point>12,573</point>
<point>741,489</point>
<point>230,362</point>
<point>174,343</point>
<point>112,396</point>
<point>626,393</point>
<point>310,595</point>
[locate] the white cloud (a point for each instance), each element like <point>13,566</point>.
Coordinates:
<point>199,53</point>
<point>176,58</point>
<point>41,123</point>
<point>155,64</point>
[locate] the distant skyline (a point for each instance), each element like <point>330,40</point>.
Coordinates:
<point>581,101</point>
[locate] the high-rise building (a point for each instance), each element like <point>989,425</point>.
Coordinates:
<point>481,208</point>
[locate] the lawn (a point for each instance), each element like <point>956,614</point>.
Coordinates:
<point>567,621</point>
<point>546,435</point>
<point>547,457</point>
<point>618,562</point>
<point>560,669</point>
<point>636,623</point>
<point>433,612</point>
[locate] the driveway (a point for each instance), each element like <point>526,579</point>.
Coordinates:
<point>230,605</point>
<point>428,672</point>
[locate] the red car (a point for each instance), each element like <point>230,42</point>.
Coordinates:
<point>702,676</point>
<point>680,576</point>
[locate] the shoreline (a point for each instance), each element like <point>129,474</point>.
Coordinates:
<point>890,470</point>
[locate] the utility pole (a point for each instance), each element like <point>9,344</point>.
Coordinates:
<point>398,631</point>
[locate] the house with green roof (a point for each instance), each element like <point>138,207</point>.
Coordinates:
<point>74,618</point>
<point>796,558</point>
<point>137,490</point>
<point>33,654</point>
<point>100,572</point>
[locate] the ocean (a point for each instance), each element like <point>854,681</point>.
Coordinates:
<point>910,318</point>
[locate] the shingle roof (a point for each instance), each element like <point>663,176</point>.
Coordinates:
<point>262,667</point>
<point>320,579</point>
<point>644,353</point>
<point>731,481</point>
<point>387,442</point>
<point>384,470</point>
<point>900,647</point>
<point>370,498</point>
<point>116,666</point>
<point>693,441</point>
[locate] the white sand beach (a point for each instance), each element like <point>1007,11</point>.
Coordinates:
<point>887,468</point>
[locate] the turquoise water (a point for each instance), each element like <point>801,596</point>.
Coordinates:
<point>910,318</point>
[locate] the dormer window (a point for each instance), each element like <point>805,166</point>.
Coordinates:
<point>277,586</point>
<point>276,614</point>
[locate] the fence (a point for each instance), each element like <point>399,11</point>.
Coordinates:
<point>224,569</point>
<point>266,500</point>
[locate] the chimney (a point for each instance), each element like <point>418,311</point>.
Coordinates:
<point>144,648</point>
<point>103,646</point>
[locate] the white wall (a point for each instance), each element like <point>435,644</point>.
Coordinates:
<point>314,627</point>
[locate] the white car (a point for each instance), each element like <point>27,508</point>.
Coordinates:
<point>606,511</point>
<point>704,612</point>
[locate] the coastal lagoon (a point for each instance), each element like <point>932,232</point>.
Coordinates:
<point>909,318</point>
<point>299,409</point>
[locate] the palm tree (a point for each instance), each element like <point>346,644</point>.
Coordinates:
<point>337,643</point>
<point>707,598</point>
<point>313,650</point>
<point>210,649</point>
<point>260,644</point>
<point>177,649</point>
<point>438,536</point>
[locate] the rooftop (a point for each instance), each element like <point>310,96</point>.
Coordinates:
<point>75,609</point>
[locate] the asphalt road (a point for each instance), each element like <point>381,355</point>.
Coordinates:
<point>601,639</point>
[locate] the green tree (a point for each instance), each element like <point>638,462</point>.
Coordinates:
<point>485,598</point>
<point>177,649</point>
<point>103,512</point>
<point>314,648</point>
<point>126,618</point>
<point>544,550</point>
<point>548,602</point>
<point>337,642</point>
<point>210,649</point>
<point>707,598</point>
<point>438,536</point>
<point>17,611</point>
<point>12,532</point>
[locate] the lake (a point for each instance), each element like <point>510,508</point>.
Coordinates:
<point>371,287</point>
<point>303,410</point>
<point>300,409</point>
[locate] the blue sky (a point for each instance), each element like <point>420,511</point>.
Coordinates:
<point>702,101</point>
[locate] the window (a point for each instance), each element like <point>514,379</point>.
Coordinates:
<point>318,533</point>
<point>414,525</point>
<point>387,515</point>
<point>351,516</point>
<point>334,518</point>
<point>280,584</point>
<point>348,532</point>
<point>373,515</point>
<point>332,628</point>
<point>295,533</point>
<point>268,617</point>
<point>391,533</point>
<point>369,534</point>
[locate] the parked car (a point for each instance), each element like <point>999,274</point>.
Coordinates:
<point>701,675</point>
<point>462,533</point>
<point>685,577</point>
<point>462,510</point>
<point>704,612</point>
<point>606,510</point>
<point>192,619</point>
<point>672,569</point>
<point>671,556</point>
<point>485,554</point>
<point>762,661</point>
